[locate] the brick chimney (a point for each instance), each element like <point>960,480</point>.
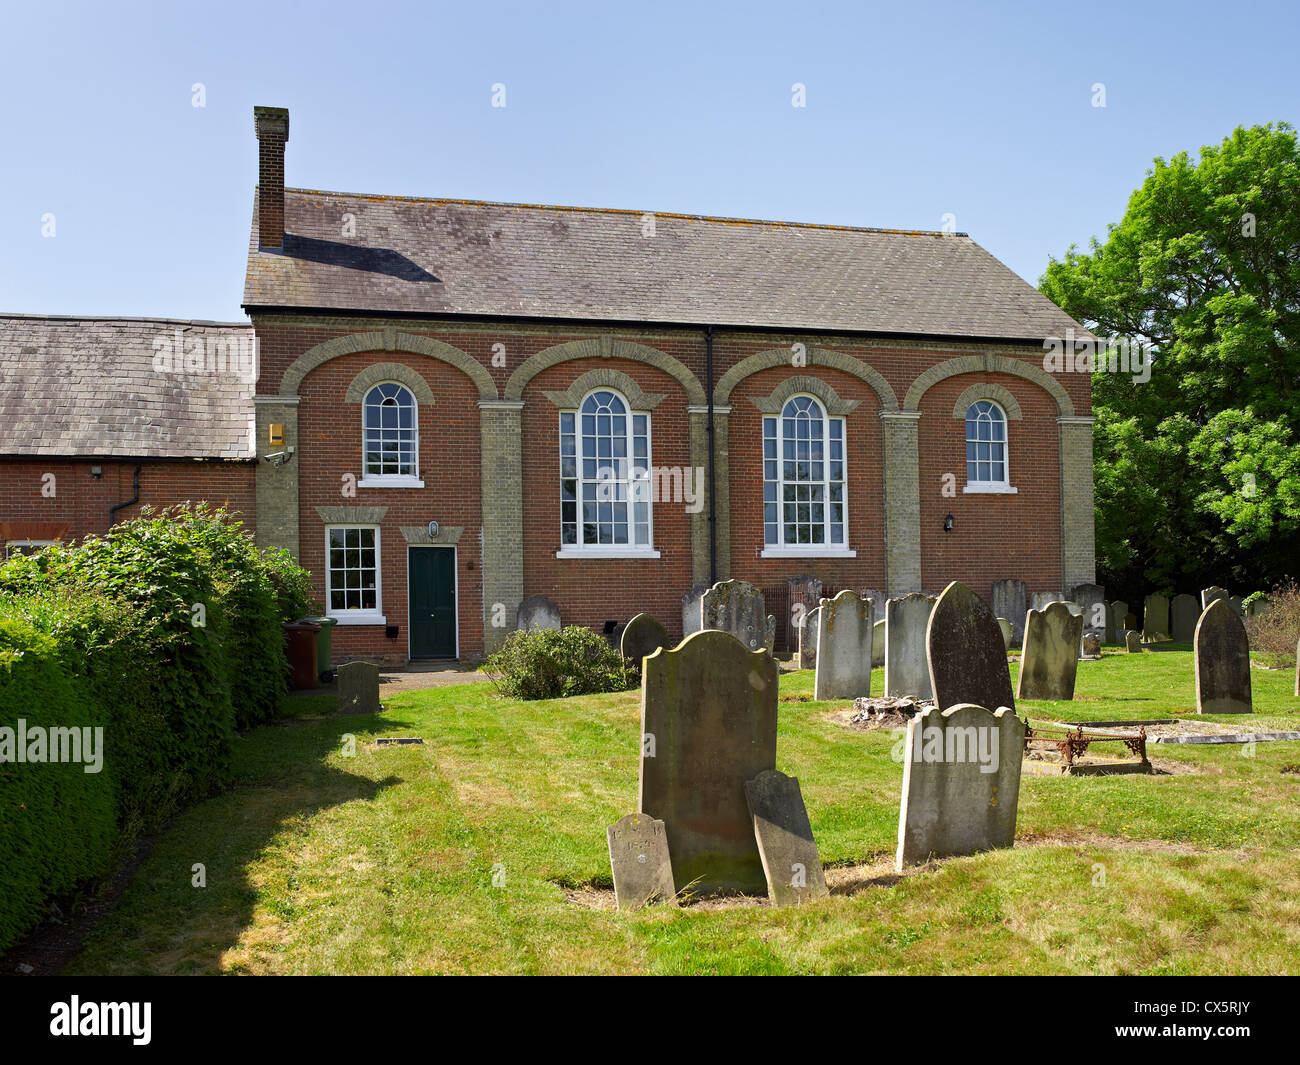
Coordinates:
<point>272,126</point>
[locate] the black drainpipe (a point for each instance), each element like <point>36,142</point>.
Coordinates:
<point>135,498</point>
<point>713,514</point>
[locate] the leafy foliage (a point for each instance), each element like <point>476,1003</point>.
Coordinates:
<point>1198,469</point>
<point>554,663</point>
<point>1275,634</point>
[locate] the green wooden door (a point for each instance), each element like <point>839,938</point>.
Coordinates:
<point>432,574</point>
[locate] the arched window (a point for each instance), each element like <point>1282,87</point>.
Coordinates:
<point>804,477</point>
<point>391,443</point>
<point>986,444</point>
<point>604,475</point>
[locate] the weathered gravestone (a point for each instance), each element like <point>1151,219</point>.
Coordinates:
<point>1008,632</point>
<point>691,609</point>
<point>1183,616</point>
<point>1259,607</point>
<point>537,612</point>
<point>1130,620</point>
<point>808,639</point>
<point>804,593</point>
<point>1090,646</point>
<point>1116,612</point>
<point>1042,600</point>
<point>769,634</point>
<point>1210,594</point>
<point>961,782</point>
<point>1155,617</point>
<point>877,602</point>
<point>708,724</point>
<point>1235,602</point>
<point>638,856</point>
<point>1133,642</point>
<point>1092,602</point>
<point>736,607</point>
<point>642,636</point>
<point>968,660</point>
<point>877,644</point>
<point>844,633</point>
<point>358,688</point>
<point>907,669</point>
<point>1051,657</point>
<point>785,840</point>
<point>1009,602</point>
<point>1222,655</point>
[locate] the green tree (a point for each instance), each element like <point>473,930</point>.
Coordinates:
<point>1198,469</point>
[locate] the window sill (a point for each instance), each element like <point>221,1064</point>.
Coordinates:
<point>990,489</point>
<point>808,551</point>
<point>359,619</point>
<point>606,552</point>
<point>390,482</point>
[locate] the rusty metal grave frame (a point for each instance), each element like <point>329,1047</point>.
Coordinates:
<point>1073,744</point>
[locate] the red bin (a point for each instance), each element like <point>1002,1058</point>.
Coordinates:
<point>300,639</point>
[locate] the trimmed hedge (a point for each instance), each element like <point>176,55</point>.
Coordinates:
<point>168,629</point>
<point>555,663</point>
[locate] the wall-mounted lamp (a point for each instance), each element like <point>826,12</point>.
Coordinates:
<point>97,472</point>
<point>947,523</point>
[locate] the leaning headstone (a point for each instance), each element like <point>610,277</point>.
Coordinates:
<point>1116,613</point>
<point>808,639</point>
<point>1210,594</point>
<point>708,724</point>
<point>1009,602</point>
<point>1133,642</point>
<point>1051,657</point>
<point>1008,632</point>
<point>1155,617</point>
<point>877,643</point>
<point>358,688</point>
<point>691,609</point>
<point>1222,662</point>
<point>785,840</point>
<point>736,607</point>
<point>968,660</point>
<point>1092,601</point>
<point>961,782</point>
<point>642,636</point>
<point>803,593</point>
<point>537,612</point>
<point>844,634</point>
<point>638,856</point>
<point>1090,646</point>
<point>907,671</point>
<point>1183,616</point>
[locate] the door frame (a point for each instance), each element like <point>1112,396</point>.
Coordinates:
<point>455,593</point>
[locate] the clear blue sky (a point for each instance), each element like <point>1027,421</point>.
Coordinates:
<point>914,111</point>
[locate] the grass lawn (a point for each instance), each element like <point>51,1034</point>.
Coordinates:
<point>384,862</point>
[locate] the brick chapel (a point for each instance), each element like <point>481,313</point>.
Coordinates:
<point>442,407</point>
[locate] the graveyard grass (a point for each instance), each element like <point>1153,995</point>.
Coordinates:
<point>384,862</point>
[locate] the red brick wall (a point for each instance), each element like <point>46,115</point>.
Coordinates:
<point>329,446</point>
<point>81,503</point>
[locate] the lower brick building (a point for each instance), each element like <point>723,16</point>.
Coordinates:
<point>455,405</point>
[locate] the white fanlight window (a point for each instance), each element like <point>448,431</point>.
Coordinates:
<point>605,483</point>
<point>391,443</point>
<point>804,481</point>
<point>986,447</point>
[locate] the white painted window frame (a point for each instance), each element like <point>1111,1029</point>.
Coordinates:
<point>356,617</point>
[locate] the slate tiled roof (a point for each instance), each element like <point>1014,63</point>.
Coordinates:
<point>450,257</point>
<point>88,386</point>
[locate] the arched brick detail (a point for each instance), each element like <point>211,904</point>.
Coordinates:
<point>604,347</point>
<point>814,386</point>
<point>606,378</point>
<point>386,340</point>
<point>999,395</point>
<point>988,364</point>
<point>388,371</point>
<point>835,360</point>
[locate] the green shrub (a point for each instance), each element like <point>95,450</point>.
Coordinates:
<point>553,663</point>
<point>57,821</point>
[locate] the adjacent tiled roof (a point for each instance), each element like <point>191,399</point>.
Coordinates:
<point>88,386</point>
<point>449,257</point>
